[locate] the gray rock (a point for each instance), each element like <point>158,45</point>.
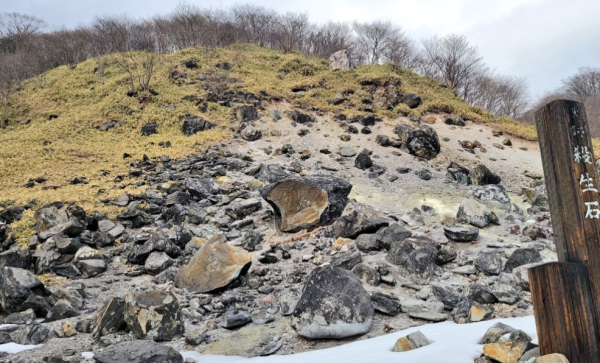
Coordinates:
<point>492,194</point>
<point>16,285</point>
<point>153,315</point>
<point>157,262</point>
<point>385,304</point>
<point>31,334</point>
<point>347,260</point>
<point>251,133</point>
<point>473,212</point>
<point>479,293</point>
<point>363,160</point>
<point>339,60</point>
<point>495,332</point>
<point>417,339</point>
<point>235,319</point>
<point>394,232</point>
<point>449,298</point>
<point>20,318</point>
<point>421,141</point>
<point>201,188</point>
<point>138,351</point>
<point>461,233</point>
<point>489,262</point>
<point>333,305</point>
<point>357,223</point>
<point>522,256</point>
<point>366,274</point>
<point>92,268</point>
<point>416,258</point>
<point>347,152</point>
<point>62,309</point>
<point>19,257</point>
<point>49,217</point>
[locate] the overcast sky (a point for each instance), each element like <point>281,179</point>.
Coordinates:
<point>544,41</point>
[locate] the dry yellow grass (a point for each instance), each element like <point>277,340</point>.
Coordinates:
<point>71,145</point>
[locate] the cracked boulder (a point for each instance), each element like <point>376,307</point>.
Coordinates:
<point>308,202</point>
<point>421,141</point>
<point>16,285</point>
<point>213,267</point>
<point>154,315</point>
<point>333,305</point>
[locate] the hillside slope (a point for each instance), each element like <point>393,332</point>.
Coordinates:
<point>53,139</point>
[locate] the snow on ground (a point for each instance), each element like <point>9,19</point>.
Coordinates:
<point>456,343</point>
<point>450,342</point>
<point>13,348</point>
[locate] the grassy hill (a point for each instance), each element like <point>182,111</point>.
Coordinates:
<point>53,123</point>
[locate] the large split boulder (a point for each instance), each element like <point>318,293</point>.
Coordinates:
<point>308,202</point>
<point>154,315</point>
<point>214,266</point>
<point>16,285</point>
<point>415,257</point>
<point>138,351</point>
<point>333,304</point>
<point>110,318</point>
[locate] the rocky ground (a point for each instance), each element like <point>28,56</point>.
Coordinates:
<point>305,231</point>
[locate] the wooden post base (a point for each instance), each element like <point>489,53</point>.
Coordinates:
<point>564,311</point>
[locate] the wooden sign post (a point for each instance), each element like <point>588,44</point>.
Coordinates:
<point>566,294</point>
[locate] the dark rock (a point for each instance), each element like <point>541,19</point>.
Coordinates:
<point>421,141</point>
<point>251,134</point>
<point>394,232</point>
<point>308,202</point>
<point>461,233</point>
<point>489,262</point>
<point>19,257</point>
<point>425,174</point>
<point>194,124</point>
<point>479,293</point>
<point>333,305</point>
<point>385,304</point>
<point>149,129</point>
<point>235,318</point>
<point>446,254</point>
<point>138,351</point>
<point>411,100</point>
<point>382,140</point>
<point>62,309</point>
<point>157,262</point>
<point>241,208</point>
<point>272,173</point>
<point>31,334</point>
<point>356,223</point>
<point>365,120</point>
<point>366,274</point>
<point>458,173</point>
<point>416,258</point>
<point>450,299</point>
<point>481,175</point>
<point>153,315</point>
<point>20,318</point>
<point>363,160</point>
<point>492,193</point>
<point>110,318</point>
<point>16,285</point>
<point>347,260</point>
<point>191,64</point>
<point>367,242</point>
<point>48,217</point>
<point>158,242</point>
<point>532,231</point>
<point>522,256</point>
<point>252,240</point>
<point>92,267</point>
<point>246,113</point>
<point>301,118</point>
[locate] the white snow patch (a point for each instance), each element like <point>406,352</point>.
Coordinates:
<point>13,348</point>
<point>87,355</point>
<point>456,343</point>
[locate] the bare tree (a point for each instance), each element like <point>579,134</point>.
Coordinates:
<point>374,39</point>
<point>451,60</point>
<point>139,68</point>
<point>17,31</point>
<point>256,23</point>
<point>584,84</point>
<point>291,32</point>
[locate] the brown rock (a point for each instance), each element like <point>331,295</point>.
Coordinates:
<point>508,352</point>
<point>308,202</point>
<point>430,119</point>
<point>479,313</point>
<point>213,267</point>
<point>68,329</point>
<point>552,358</point>
<point>402,345</point>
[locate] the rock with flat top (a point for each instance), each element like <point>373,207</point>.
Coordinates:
<point>339,60</point>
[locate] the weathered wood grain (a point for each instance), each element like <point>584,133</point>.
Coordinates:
<point>563,308</point>
<point>567,297</point>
